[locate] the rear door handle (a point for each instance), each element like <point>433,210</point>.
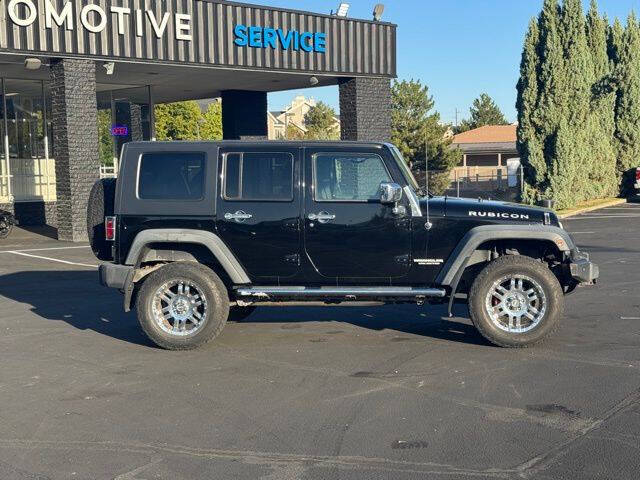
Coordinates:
<point>322,217</point>
<point>239,216</point>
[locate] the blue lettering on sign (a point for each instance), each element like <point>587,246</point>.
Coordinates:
<point>266,37</point>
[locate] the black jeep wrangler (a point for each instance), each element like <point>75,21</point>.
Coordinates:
<point>200,232</point>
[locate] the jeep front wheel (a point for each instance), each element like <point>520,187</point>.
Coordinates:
<point>516,301</point>
<point>181,306</point>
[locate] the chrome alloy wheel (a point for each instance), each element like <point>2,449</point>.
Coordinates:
<point>516,303</point>
<point>179,308</point>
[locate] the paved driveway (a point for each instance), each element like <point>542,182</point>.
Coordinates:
<point>329,393</point>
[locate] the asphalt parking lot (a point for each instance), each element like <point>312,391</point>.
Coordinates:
<point>324,393</point>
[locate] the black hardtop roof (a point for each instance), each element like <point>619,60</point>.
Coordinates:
<point>253,143</point>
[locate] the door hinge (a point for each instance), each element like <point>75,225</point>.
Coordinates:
<point>402,259</point>
<point>293,258</point>
<point>293,224</point>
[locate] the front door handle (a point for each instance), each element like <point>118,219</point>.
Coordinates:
<point>239,216</point>
<point>322,217</point>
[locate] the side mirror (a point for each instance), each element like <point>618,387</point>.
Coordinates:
<point>390,193</point>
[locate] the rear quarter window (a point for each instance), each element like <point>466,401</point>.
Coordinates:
<point>171,176</point>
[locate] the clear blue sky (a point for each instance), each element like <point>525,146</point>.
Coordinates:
<point>459,48</point>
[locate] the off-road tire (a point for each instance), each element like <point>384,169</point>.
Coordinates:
<point>101,204</point>
<point>238,314</point>
<point>516,264</point>
<point>209,285</point>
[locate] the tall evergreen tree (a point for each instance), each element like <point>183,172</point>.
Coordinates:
<point>551,103</point>
<point>484,111</point>
<point>565,103</point>
<point>569,159</point>
<point>552,77</point>
<point>627,104</point>
<point>414,126</point>
<point>601,125</point>
<point>528,138</point>
<point>614,42</point>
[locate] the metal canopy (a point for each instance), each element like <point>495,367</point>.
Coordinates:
<point>157,33</point>
<point>172,82</point>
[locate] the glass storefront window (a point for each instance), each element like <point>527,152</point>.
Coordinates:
<point>25,118</point>
<point>124,115</point>
<point>4,174</point>
<point>29,168</point>
<point>28,173</point>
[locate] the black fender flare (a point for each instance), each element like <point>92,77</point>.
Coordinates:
<point>210,240</point>
<point>459,258</point>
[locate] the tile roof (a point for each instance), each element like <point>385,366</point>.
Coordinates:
<point>488,134</point>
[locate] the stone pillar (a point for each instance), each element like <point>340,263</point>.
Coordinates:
<point>365,109</point>
<point>74,116</point>
<point>244,115</point>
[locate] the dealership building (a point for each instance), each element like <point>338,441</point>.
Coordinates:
<point>65,66</point>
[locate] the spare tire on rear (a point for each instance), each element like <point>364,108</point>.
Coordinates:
<point>100,205</point>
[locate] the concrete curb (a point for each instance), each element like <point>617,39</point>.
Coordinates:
<point>616,201</point>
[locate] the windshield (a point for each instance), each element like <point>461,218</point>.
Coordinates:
<point>404,168</point>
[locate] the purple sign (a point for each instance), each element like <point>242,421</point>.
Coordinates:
<point>119,131</point>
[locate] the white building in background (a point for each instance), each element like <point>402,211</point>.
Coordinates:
<point>292,115</point>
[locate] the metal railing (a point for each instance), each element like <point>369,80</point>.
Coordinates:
<point>489,183</point>
<point>4,181</point>
<point>108,171</point>
<point>34,179</point>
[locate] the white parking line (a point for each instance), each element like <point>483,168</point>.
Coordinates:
<point>44,249</point>
<point>578,233</point>
<point>591,217</point>
<point>51,259</point>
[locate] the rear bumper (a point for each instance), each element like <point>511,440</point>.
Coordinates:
<point>114,276</point>
<point>582,269</point>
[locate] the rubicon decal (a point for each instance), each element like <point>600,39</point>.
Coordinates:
<point>514,216</point>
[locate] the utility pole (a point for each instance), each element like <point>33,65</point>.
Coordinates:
<point>457,111</point>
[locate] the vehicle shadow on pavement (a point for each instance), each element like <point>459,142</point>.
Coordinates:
<point>74,297</point>
<point>427,321</point>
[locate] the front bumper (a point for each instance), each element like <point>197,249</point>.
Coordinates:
<point>582,269</point>
<point>114,276</point>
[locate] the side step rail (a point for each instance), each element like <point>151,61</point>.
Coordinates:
<point>341,293</point>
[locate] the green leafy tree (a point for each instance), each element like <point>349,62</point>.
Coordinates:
<point>320,123</point>
<point>105,139</point>
<point>178,121</point>
<point>484,111</point>
<point>292,132</point>
<point>417,132</point>
<point>211,122</point>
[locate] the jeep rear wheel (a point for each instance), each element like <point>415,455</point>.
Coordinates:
<point>516,301</point>
<point>181,306</point>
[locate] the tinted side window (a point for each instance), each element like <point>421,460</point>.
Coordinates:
<point>259,176</point>
<point>171,176</point>
<point>348,177</point>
